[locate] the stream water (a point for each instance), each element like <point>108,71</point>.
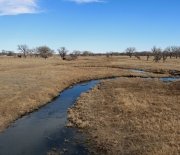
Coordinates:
<point>44,129</point>
<point>41,131</point>
<point>139,71</point>
<point>166,79</point>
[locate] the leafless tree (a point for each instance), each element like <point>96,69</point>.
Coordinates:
<point>137,56</point>
<point>32,51</point>
<point>3,52</point>
<point>157,53</point>
<point>23,49</point>
<point>108,54</point>
<point>169,50</point>
<point>45,51</point>
<point>36,53</point>
<point>130,51</point>
<point>147,57</point>
<point>147,54</point>
<point>179,51</point>
<point>7,53</point>
<point>175,51</point>
<point>111,53</point>
<point>87,53</point>
<point>63,52</point>
<point>164,55</point>
<point>74,55</point>
<point>10,53</point>
<point>115,53</point>
<point>76,52</point>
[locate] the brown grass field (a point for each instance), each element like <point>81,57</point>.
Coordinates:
<point>131,116</point>
<point>149,108</point>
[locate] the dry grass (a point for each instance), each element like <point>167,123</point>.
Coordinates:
<point>143,64</point>
<point>27,84</point>
<point>131,116</point>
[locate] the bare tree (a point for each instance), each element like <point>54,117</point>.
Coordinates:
<point>164,55</point>
<point>175,51</point>
<point>4,52</point>
<point>36,53</point>
<point>7,53</point>
<point>10,53</point>
<point>32,51</point>
<point>108,54</point>
<point>76,52</point>
<point>147,57</point>
<point>23,49</point>
<point>45,51</point>
<point>115,53</point>
<point>74,55</point>
<point>169,50</point>
<point>178,51</point>
<point>130,51</point>
<point>147,54</point>
<point>87,53</point>
<point>157,53</point>
<point>138,56</point>
<point>62,52</point>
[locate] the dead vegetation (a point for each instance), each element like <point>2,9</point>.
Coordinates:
<point>130,116</point>
<point>27,84</point>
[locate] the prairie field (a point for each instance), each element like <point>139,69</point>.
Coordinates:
<point>131,116</point>
<point>129,112</point>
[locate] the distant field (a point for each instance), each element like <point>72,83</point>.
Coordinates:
<point>27,84</point>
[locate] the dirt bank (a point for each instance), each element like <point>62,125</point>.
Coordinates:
<point>130,116</point>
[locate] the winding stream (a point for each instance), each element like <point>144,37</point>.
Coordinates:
<point>44,130</point>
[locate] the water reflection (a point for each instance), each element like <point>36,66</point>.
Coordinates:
<point>42,130</point>
<point>169,79</point>
<point>165,79</point>
<point>139,71</point>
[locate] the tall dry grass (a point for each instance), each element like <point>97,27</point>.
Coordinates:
<point>27,84</point>
<point>131,116</point>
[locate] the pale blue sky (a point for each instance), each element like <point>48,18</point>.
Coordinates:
<point>93,25</point>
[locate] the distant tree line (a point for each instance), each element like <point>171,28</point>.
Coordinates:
<point>45,52</point>
<point>6,53</point>
<point>158,53</point>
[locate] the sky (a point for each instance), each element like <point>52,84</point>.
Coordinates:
<point>98,26</point>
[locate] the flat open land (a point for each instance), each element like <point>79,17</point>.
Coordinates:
<point>131,116</point>
<point>138,111</point>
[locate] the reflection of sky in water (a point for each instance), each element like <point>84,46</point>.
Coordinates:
<point>164,79</point>
<point>39,132</point>
<point>138,71</point>
<point>169,79</point>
